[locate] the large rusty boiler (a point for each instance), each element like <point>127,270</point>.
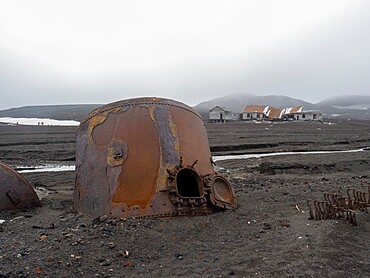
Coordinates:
<point>15,191</point>
<point>146,157</point>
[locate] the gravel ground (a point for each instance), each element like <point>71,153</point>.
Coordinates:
<point>268,235</point>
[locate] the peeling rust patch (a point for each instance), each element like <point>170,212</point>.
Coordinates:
<point>174,134</point>
<point>117,153</point>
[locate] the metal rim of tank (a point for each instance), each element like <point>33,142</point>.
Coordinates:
<point>21,194</point>
<point>137,102</point>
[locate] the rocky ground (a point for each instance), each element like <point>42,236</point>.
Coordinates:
<point>268,235</point>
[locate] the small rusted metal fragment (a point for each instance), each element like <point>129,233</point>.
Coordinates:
<point>15,191</point>
<point>147,157</point>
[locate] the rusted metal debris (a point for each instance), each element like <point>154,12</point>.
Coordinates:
<point>147,157</point>
<point>336,205</point>
<point>15,191</point>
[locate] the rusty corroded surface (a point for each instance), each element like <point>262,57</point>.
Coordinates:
<point>15,191</point>
<point>146,157</point>
<point>337,205</point>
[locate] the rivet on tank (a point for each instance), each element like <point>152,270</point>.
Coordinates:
<point>147,157</point>
<point>15,191</point>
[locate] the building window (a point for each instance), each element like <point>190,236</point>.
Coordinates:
<point>258,116</point>
<point>303,116</point>
<point>248,115</point>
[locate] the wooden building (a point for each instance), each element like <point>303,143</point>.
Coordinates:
<point>307,116</point>
<point>254,112</point>
<point>220,115</point>
<point>257,112</point>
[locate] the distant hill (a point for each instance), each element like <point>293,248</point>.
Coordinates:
<point>348,106</point>
<point>57,112</point>
<point>343,107</point>
<point>349,101</point>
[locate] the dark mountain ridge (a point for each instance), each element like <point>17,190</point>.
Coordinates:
<point>58,112</point>
<point>343,107</point>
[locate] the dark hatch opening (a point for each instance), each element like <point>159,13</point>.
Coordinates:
<point>189,183</point>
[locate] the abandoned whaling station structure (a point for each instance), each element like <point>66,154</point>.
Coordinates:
<point>147,157</point>
<point>256,112</point>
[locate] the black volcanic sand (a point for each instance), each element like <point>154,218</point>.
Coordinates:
<point>268,235</point>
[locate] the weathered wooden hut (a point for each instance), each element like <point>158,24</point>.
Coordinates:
<point>220,114</point>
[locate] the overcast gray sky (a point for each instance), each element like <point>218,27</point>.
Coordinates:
<point>61,52</point>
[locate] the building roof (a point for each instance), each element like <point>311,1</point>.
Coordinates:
<point>275,113</point>
<point>222,108</point>
<point>255,109</point>
<point>268,111</point>
<point>292,110</point>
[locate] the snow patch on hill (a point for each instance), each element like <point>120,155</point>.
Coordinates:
<point>38,121</point>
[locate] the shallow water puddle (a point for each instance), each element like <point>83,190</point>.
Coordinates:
<point>45,168</point>
<point>258,155</point>
<point>60,167</point>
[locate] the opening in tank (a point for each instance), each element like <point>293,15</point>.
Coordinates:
<point>189,183</point>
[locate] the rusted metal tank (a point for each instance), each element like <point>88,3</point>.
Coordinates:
<point>15,191</point>
<point>146,157</point>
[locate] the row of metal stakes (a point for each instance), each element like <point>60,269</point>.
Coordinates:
<point>337,205</point>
